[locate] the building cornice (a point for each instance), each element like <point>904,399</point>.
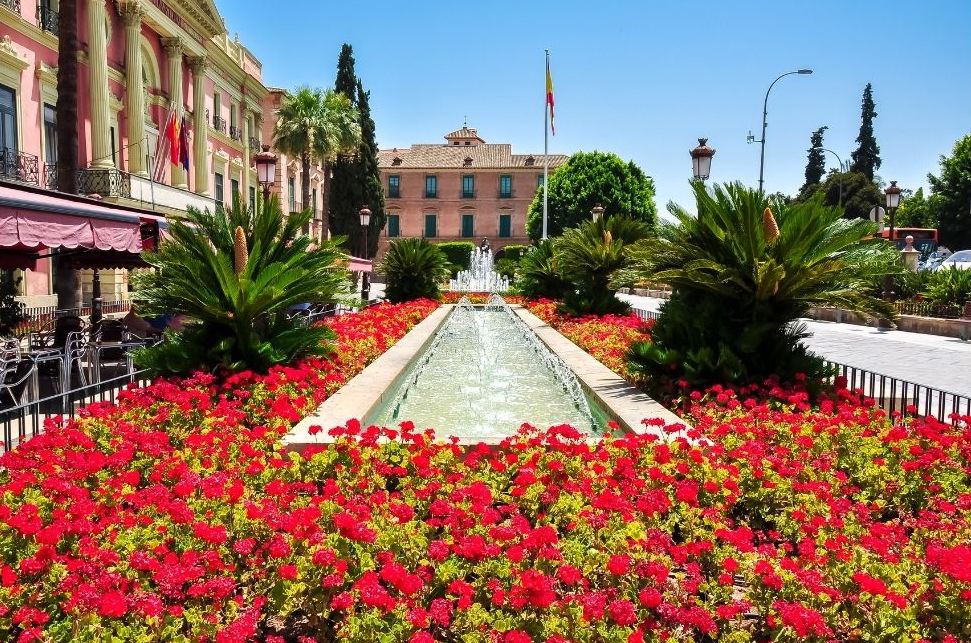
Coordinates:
<point>10,56</point>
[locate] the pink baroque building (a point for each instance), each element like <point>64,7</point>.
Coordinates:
<point>140,61</point>
<point>462,190</point>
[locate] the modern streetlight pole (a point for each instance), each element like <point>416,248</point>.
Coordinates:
<point>765,122</point>
<point>701,160</point>
<point>840,172</point>
<point>365,214</point>
<point>893,200</point>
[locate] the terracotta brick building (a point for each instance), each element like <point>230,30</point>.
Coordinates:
<point>464,189</point>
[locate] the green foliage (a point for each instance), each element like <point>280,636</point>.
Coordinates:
<point>906,284</point>
<point>859,194</point>
<point>586,179</point>
<point>589,255</point>
<point>815,165</point>
<point>458,253</point>
<point>11,310</point>
<point>951,200</point>
<point>413,268</point>
<point>866,157</point>
<point>538,274</point>
<point>237,315</point>
<point>507,268</point>
<point>916,212</point>
<point>738,286</point>
<point>356,178</point>
<point>515,252</point>
<point>950,287</point>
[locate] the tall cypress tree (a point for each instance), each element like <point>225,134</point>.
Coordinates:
<point>816,164</point>
<point>357,180</point>
<point>866,157</point>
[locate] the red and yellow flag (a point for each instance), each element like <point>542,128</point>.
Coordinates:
<point>549,96</point>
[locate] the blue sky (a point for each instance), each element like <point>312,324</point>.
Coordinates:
<point>643,79</point>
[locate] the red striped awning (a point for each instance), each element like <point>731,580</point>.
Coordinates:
<point>359,265</point>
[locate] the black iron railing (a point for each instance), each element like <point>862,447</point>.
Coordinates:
<point>107,182</point>
<point>219,124</point>
<point>19,166</point>
<point>255,143</point>
<point>928,309</point>
<point>13,5</point>
<point>47,18</point>
<point>20,423</point>
<point>901,396</point>
<point>235,133</point>
<point>50,176</point>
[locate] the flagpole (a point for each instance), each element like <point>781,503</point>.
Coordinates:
<point>546,146</point>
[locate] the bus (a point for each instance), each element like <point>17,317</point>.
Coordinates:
<point>925,239</point>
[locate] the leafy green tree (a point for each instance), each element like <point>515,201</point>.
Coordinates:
<point>357,179</point>
<point>413,268</point>
<point>586,179</point>
<point>742,271</point>
<point>860,194</point>
<point>589,256</point>
<point>916,212</point>
<point>815,165</point>
<point>951,201</point>
<point>316,125</point>
<point>538,273</point>
<point>866,157</point>
<point>234,274</point>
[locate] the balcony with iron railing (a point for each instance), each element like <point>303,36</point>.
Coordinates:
<point>219,124</point>
<point>18,166</point>
<point>13,5</point>
<point>47,18</point>
<point>235,133</point>
<point>105,182</point>
<point>255,143</point>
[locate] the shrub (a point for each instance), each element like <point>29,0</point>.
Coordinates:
<point>515,252</point>
<point>11,311</point>
<point>413,268</point>
<point>458,254</point>
<point>742,274</point>
<point>507,268</point>
<point>234,273</point>
<point>538,274</point>
<point>951,287</point>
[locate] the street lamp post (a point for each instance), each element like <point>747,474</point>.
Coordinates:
<point>597,212</point>
<point>265,170</point>
<point>365,214</point>
<point>840,161</point>
<point>701,159</point>
<point>893,200</point>
<point>765,122</point>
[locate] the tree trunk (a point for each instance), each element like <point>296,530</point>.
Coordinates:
<point>67,284</point>
<point>305,180</point>
<point>325,203</point>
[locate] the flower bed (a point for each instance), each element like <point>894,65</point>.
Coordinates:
<point>174,515</point>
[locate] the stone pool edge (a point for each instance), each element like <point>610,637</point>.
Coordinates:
<point>624,403</point>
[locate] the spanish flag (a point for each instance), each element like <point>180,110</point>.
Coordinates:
<point>172,133</point>
<point>549,94</point>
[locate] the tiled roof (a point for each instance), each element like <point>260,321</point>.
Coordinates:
<point>489,155</point>
<point>465,132</point>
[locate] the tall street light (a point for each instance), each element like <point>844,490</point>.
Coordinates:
<point>840,161</point>
<point>893,200</point>
<point>701,159</point>
<point>265,170</point>
<point>365,214</point>
<point>765,122</point>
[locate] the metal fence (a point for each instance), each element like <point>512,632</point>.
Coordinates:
<point>22,422</point>
<point>928,309</point>
<point>39,317</point>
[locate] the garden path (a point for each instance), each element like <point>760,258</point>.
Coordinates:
<point>930,360</point>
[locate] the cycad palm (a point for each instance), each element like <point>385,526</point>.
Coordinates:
<point>236,298</point>
<point>739,281</point>
<point>413,268</point>
<point>316,125</point>
<point>538,273</point>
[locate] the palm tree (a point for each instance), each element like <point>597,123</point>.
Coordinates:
<point>316,125</point>
<point>67,282</point>
<point>742,271</point>
<point>538,273</point>
<point>234,274</point>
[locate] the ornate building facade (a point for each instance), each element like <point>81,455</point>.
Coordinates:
<point>140,61</point>
<point>464,189</point>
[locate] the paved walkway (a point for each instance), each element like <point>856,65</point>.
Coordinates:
<point>929,360</point>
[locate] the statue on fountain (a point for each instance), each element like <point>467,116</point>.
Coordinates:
<point>484,246</point>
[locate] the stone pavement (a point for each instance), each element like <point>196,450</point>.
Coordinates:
<point>930,360</point>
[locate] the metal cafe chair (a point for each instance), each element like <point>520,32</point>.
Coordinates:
<point>15,373</point>
<point>75,350</point>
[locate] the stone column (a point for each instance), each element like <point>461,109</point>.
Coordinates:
<point>98,71</point>
<point>200,126</point>
<point>135,91</point>
<point>173,49</point>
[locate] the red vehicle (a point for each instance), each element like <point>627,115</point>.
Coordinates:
<point>925,239</point>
